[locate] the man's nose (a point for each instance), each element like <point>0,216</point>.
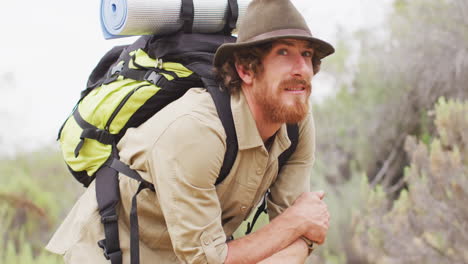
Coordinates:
<point>302,67</point>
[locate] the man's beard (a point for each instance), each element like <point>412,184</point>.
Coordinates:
<point>275,110</point>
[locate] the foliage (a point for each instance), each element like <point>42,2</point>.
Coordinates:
<point>398,79</point>
<point>424,57</point>
<point>399,74</point>
<point>427,223</point>
<point>342,200</point>
<point>29,204</point>
<point>19,249</point>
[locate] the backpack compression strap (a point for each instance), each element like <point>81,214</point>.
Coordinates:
<point>233,15</point>
<point>99,74</point>
<point>187,15</point>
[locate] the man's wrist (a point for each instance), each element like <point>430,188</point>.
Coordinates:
<point>291,219</point>
<point>310,244</point>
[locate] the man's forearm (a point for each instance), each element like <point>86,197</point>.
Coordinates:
<point>308,216</point>
<point>270,239</point>
<point>296,253</point>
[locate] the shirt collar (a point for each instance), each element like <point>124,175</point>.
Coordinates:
<point>246,128</point>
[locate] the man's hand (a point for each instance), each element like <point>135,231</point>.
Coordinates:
<point>311,214</point>
<point>307,217</point>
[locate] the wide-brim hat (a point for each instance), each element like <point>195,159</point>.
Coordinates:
<point>269,20</point>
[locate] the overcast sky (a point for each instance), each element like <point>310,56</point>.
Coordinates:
<point>49,48</point>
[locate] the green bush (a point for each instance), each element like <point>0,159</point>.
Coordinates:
<point>400,72</point>
<point>36,192</point>
<point>427,223</point>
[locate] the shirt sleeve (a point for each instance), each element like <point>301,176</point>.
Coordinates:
<point>294,178</point>
<point>184,164</point>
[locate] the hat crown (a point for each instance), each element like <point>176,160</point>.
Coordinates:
<point>270,20</point>
<point>264,16</point>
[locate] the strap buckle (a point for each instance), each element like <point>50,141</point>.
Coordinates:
<point>109,255</point>
<point>153,77</point>
<point>117,69</point>
<point>109,219</point>
<point>98,134</point>
<point>104,137</point>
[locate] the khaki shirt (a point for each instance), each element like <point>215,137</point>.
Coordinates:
<point>181,150</point>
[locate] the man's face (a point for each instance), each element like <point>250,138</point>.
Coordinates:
<point>282,90</point>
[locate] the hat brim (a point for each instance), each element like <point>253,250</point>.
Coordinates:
<point>321,48</point>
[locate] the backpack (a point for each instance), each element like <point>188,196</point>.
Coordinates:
<point>130,84</point>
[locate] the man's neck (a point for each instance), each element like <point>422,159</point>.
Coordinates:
<point>265,128</point>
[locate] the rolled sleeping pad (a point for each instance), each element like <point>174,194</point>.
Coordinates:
<point>122,18</point>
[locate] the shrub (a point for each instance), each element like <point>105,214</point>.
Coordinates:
<point>427,223</point>
<point>36,192</point>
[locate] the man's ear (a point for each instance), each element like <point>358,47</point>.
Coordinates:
<point>246,75</point>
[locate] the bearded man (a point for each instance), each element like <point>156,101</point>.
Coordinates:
<point>190,219</point>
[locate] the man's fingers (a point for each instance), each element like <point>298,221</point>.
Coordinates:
<point>322,240</point>
<point>317,236</point>
<point>320,194</point>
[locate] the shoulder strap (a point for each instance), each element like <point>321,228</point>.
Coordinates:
<point>293,135</point>
<point>222,101</point>
<point>223,107</point>
<point>108,195</point>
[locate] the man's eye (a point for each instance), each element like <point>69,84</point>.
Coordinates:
<point>282,52</point>
<point>307,54</point>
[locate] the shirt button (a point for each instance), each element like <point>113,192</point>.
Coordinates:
<point>259,171</point>
<point>206,241</point>
<point>243,208</point>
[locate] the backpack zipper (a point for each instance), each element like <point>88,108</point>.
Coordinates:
<point>119,107</point>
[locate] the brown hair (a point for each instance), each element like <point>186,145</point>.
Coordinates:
<point>251,58</point>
